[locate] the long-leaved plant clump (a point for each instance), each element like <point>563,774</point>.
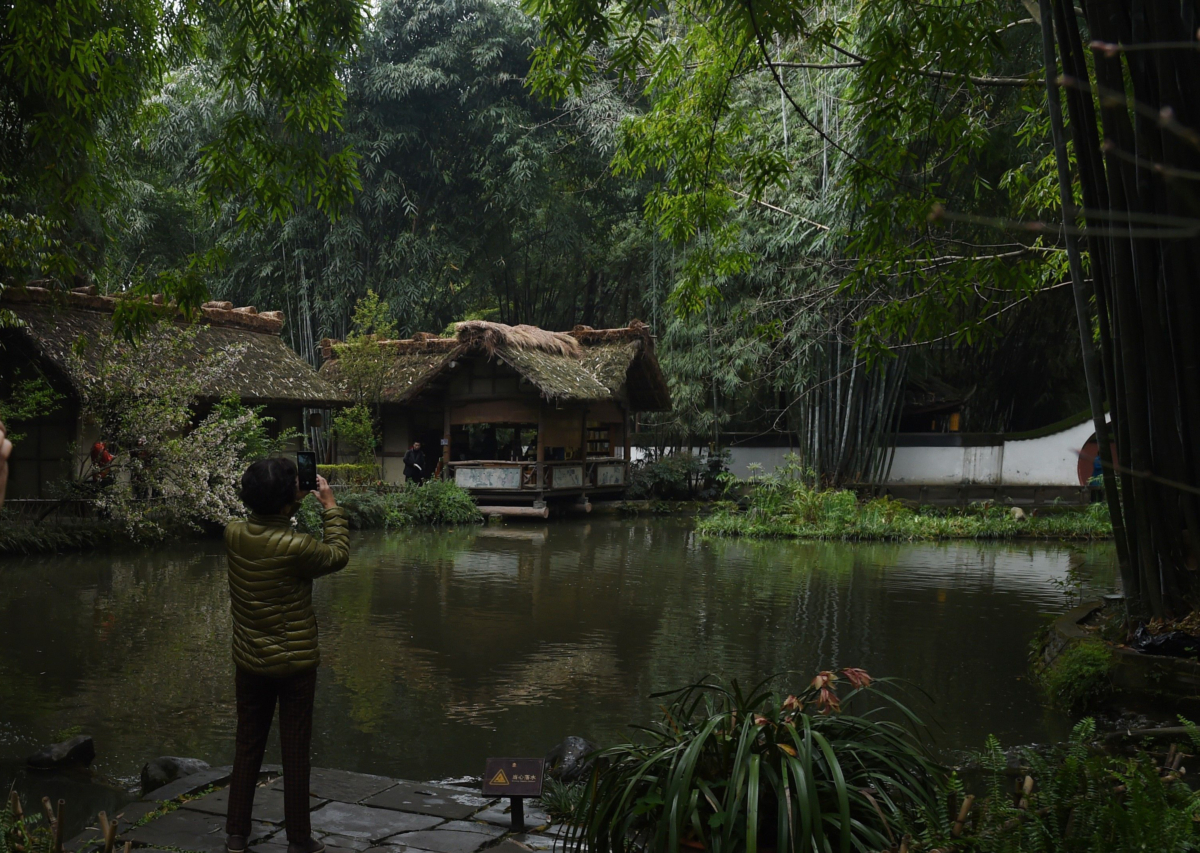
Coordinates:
<point>730,770</point>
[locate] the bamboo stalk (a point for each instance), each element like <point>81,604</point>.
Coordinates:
<point>957,829</point>
<point>58,827</point>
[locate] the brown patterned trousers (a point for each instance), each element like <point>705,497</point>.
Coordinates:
<point>256,699</point>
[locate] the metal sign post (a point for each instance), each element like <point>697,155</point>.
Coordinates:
<point>515,778</point>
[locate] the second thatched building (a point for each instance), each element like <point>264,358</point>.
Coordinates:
<point>516,414</point>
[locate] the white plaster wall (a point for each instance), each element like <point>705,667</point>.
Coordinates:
<point>1048,461</point>
<point>1052,460</point>
<point>927,465</point>
<point>740,459</point>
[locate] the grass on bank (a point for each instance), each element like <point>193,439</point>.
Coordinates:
<point>786,507</point>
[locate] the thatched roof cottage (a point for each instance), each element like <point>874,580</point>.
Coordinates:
<point>518,414</point>
<point>266,373</point>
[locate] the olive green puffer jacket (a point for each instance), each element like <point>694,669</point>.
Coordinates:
<point>271,570</point>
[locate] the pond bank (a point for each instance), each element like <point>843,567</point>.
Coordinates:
<point>793,511</point>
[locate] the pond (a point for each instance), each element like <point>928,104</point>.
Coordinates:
<point>441,648</point>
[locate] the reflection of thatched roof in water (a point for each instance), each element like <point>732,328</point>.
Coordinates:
<point>268,371</point>
<point>584,364</point>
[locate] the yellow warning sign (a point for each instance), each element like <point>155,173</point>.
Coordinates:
<point>499,778</point>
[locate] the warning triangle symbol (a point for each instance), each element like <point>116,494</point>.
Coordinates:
<point>499,778</point>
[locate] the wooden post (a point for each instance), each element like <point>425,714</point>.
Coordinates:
<point>446,438</point>
<point>541,447</point>
<point>625,429</point>
<point>583,448</point>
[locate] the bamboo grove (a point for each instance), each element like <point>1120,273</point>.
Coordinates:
<point>1131,82</point>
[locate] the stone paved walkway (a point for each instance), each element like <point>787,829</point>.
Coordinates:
<point>351,813</point>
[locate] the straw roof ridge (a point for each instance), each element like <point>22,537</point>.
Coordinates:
<point>214,313</point>
<point>583,364</point>
<point>493,336</point>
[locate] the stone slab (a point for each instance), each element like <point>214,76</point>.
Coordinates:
<point>189,784</point>
<point>279,844</point>
<point>366,823</point>
<point>343,786</point>
<point>474,826</point>
<point>184,829</point>
<point>517,844</point>
<point>449,803</point>
<point>134,812</point>
<point>536,841</point>
<point>268,804</point>
<point>85,841</point>
<point>500,815</point>
<point>443,840</point>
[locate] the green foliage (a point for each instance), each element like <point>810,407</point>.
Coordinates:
<point>362,364</point>
<point>562,801</point>
<point>730,770</point>
<point>28,399</point>
<point>356,428</point>
<point>251,430</point>
<point>434,502</point>
<point>1081,800</point>
<point>17,537</point>
<point>308,516</point>
<point>24,833</point>
<point>81,81</point>
<point>785,505</point>
<point>367,510</point>
<point>675,476</point>
<point>1078,677</point>
<point>350,474</point>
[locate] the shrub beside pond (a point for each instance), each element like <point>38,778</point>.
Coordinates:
<point>782,507</point>
<point>436,502</point>
<point>1078,677</point>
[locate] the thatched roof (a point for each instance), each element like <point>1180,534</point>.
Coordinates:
<point>582,365</point>
<point>268,372</point>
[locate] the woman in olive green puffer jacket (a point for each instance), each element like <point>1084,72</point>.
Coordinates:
<point>271,571</point>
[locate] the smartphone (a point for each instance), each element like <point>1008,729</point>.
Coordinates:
<point>306,465</point>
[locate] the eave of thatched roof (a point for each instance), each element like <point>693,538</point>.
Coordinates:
<point>582,365</point>
<point>268,372</point>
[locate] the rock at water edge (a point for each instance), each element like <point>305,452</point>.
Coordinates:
<point>565,761</point>
<point>77,752</point>
<point>166,769</point>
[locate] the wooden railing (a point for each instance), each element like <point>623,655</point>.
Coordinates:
<point>489,475</point>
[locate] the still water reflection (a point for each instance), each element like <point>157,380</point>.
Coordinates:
<point>441,648</point>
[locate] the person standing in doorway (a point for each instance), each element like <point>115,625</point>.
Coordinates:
<point>271,572</point>
<point>415,470</point>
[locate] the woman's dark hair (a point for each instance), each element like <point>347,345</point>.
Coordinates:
<point>269,485</point>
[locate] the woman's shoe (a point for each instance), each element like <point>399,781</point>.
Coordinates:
<point>235,844</point>
<point>310,846</point>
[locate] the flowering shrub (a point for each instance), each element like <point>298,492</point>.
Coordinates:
<point>154,469</point>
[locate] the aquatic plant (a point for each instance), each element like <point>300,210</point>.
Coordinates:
<point>731,770</point>
<point>787,506</point>
<point>1078,677</point>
